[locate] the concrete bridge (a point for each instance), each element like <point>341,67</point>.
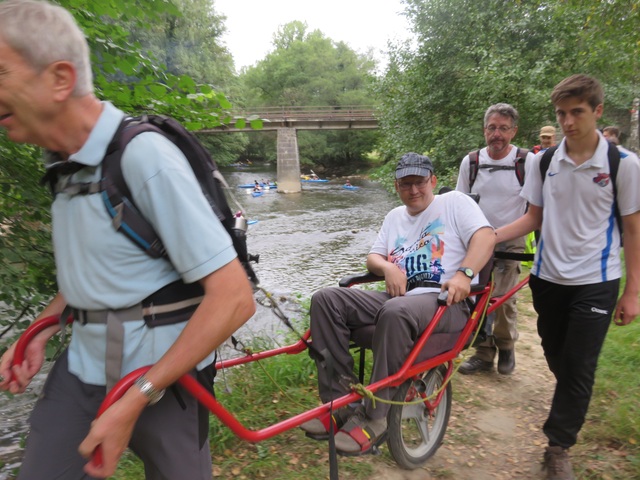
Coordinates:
<point>287,121</point>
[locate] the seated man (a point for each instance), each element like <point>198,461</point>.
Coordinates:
<point>432,243</point>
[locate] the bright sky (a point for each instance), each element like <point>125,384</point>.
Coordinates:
<point>359,23</point>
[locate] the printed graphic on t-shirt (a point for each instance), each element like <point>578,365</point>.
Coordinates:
<point>421,260</point>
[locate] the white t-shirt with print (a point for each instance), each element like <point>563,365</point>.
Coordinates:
<point>430,246</point>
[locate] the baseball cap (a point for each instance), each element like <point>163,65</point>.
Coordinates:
<point>414,164</point>
<point>548,131</point>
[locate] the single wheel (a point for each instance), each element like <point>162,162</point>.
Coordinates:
<point>414,433</point>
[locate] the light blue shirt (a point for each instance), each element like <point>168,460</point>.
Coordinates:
<point>99,268</point>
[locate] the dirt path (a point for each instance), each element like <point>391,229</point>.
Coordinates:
<point>495,426</point>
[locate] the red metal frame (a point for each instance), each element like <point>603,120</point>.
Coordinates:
<point>407,371</point>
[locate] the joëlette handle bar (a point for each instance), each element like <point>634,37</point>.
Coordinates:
<point>408,370</point>
<point>205,397</point>
<point>30,333</point>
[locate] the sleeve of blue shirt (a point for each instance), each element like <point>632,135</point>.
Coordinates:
<point>166,191</point>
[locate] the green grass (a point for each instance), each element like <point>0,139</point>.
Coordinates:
<point>260,394</point>
<point>613,421</point>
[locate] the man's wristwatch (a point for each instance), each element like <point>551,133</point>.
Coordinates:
<point>467,271</point>
<point>148,390</point>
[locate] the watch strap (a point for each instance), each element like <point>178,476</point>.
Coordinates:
<point>469,273</point>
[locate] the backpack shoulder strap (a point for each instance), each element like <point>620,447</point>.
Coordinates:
<point>613,155</point>
<point>614,163</point>
<point>474,163</point>
<point>545,161</point>
<point>121,206</point>
<point>474,166</point>
<point>126,217</point>
<point>521,158</point>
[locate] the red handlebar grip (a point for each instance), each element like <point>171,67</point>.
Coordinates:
<point>118,390</point>
<point>96,458</point>
<point>28,335</point>
<point>34,329</point>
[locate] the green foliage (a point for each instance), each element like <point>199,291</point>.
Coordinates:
<point>190,42</point>
<point>134,80</point>
<point>131,75</point>
<point>614,413</point>
<point>26,279</point>
<point>308,69</point>
<point>468,55</point>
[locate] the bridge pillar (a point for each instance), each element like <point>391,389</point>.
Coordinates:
<point>288,161</point>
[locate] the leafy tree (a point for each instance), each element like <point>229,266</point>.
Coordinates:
<point>470,54</point>
<point>190,43</point>
<point>308,69</point>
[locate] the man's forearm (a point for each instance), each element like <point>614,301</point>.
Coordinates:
<point>377,264</point>
<point>530,221</point>
<point>480,249</point>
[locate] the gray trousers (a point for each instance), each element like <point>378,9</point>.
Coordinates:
<point>170,437</point>
<point>506,274</point>
<point>398,321</point>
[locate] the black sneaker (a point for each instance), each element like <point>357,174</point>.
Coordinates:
<point>475,365</point>
<point>557,464</point>
<point>506,361</point>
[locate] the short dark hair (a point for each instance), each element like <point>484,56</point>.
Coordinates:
<point>614,131</point>
<point>581,86</point>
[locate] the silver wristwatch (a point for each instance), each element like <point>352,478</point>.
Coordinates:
<point>148,390</point>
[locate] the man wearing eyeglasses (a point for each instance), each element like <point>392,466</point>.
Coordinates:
<point>498,182</point>
<point>430,244</point>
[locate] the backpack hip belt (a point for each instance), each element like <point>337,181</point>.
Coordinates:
<point>173,303</point>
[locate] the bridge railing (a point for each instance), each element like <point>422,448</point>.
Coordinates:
<point>309,112</point>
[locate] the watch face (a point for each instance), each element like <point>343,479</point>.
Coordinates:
<point>467,271</point>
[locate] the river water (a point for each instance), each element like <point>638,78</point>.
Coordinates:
<point>305,241</point>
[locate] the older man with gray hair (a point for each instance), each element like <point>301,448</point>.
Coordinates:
<point>47,100</point>
<point>496,173</point>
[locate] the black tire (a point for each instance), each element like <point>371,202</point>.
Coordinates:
<point>414,435</point>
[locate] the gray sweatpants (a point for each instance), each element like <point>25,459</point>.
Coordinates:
<point>170,437</point>
<point>398,321</point>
